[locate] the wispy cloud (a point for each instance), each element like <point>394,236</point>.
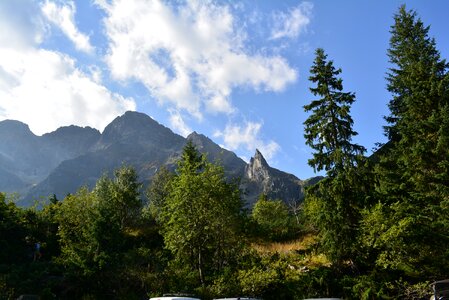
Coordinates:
<point>20,25</point>
<point>190,57</point>
<point>177,123</point>
<point>248,137</point>
<point>63,16</point>
<point>292,23</point>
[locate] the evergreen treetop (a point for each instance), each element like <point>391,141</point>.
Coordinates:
<point>328,130</point>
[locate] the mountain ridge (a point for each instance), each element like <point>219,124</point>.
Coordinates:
<point>73,156</point>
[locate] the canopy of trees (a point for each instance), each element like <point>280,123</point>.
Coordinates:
<point>377,227</point>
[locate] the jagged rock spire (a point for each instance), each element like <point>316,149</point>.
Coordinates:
<point>258,168</point>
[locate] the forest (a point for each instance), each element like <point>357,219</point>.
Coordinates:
<point>376,227</point>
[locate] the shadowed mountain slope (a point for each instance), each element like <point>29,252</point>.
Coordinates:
<point>70,157</point>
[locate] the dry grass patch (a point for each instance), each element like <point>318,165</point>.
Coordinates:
<point>308,260</point>
<point>285,247</point>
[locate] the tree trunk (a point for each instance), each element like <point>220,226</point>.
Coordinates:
<point>200,268</point>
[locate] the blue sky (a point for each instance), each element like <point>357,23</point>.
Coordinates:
<point>234,71</point>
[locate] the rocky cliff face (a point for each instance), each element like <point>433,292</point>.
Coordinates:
<point>234,165</point>
<point>258,169</point>
<point>260,178</point>
<point>133,139</point>
<point>138,128</point>
<point>70,157</point>
<point>70,141</point>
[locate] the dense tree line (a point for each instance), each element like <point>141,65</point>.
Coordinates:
<point>379,224</point>
<point>191,235</point>
<point>383,220</point>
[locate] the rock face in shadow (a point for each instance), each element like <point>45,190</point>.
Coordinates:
<point>234,165</point>
<point>27,159</point>
<point>260,178</point>
<point>62,161</point>
<point>133,139</point>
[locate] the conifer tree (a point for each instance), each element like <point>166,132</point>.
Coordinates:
<point>328,130</point>
<point>413,170</point>
<point>332,205</point>
<point>418,81</point>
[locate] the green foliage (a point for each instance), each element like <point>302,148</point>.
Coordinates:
<point>333,204</point>
<point>120,196</point>
<point>272,218</point>
<point>12,232</point>
<point>279,276</point>
<point>158,191</point>
<point>328,130</point>
<point>408,229</point>
<point>382,222</point>
<point>96,231</point>
<point>78,247</point>
<point>414,78</point>
<point>6,292</point>
<point>201,216</point>
<point>327,210</point>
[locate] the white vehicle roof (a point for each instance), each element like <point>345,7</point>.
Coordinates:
<point>323,299</point>
<point>238,298</point>
<point>174,298</point>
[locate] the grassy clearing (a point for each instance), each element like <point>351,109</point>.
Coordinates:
<point>285,247</point>
<point>296,249</point>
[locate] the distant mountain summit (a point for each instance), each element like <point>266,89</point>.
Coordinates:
<point>27,159</point>
<point>139,128</point>
<point>62,161</point>
<point>260,178</point>
<point>13,129</point>
<point>258,168</point>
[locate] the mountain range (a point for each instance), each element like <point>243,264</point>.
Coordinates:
<point>62,161</point>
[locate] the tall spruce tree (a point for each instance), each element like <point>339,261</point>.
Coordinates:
<point>413,170</point>
<point>333,204</point>
<point>328,130</point>
<point>418,82</point>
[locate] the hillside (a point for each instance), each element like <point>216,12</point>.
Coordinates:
<point>62,161</point>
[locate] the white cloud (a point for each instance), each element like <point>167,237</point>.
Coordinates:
<point>178,125</point>
<point>20,26</point>
<point>247,137</point>
<point>290,25</point>
<point>95,73</point>
<point>64,17</point>
<point>44,88</point>
<point>190,57</point>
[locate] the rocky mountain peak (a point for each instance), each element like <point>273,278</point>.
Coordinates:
<point>70,141</point>
<point>71,131</point>
<point>14,128</point>
<point>235,165</point>
<point>258,168</point>
<point>17,142</point>
<point>62,161</point>
<point>260,178</point>
<point>127,123</point>
<point>199,140</point>
<point>134,127</point>
<point>259,159</point>
<point>194,136</point>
